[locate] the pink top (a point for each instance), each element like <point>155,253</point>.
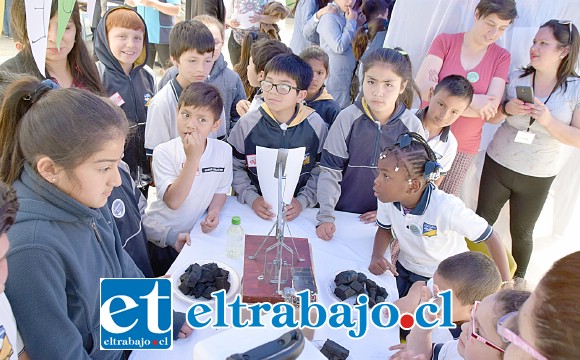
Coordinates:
<point>495,63</point>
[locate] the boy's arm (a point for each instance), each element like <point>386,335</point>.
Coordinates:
<point>419,341</point>
<point>338,38</point>
<point>240,94</point>
<point>247,193</point>
<point>498,253</point>
<point>158,233</point>
<point>213,213</point>
<point>378,263</point>
<point>170,9</point>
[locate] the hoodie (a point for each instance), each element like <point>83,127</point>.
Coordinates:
<point>226,80</point>
<point>59,251</point>
<point>135,91</point>
<point>323,103</point>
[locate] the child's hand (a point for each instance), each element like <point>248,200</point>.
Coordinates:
<point>293,210</point>
<point>326,230</point>
<point>379,265</point>
<point>350,14</point>
<point>211,221</point>
<point>262,209</point>
<point>185,331</point>
<point>242,107</point>
<point>328,9</point>
<point>399,354</point>
<point>428,296</point>
<point>484,105</point>
<point>233,23</point>
<point>368,217</point>
<point>193,145</point>
<point>182,239</point>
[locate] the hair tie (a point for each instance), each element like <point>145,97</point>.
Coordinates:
<point>432,170</point>
<point>41,88</point>
<point>366,26</point>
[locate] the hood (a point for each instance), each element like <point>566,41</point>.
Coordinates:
<point>103,50</point>
<point>323,94</point>
<point>399,110</point>
<point>217,68</point>
<point>40,200</point>
<point>302,112</point>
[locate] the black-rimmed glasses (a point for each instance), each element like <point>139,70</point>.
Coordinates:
<point>281,89</point>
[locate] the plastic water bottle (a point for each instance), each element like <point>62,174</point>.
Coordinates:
<point>235,239</point>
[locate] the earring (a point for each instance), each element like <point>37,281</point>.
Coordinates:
<point>396,168</point>
<point>53,179</point>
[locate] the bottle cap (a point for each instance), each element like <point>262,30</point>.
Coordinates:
<point>236,220</point>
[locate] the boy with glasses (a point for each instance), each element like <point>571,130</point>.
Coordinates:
<point>282,121</point>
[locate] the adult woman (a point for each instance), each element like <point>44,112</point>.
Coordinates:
<point>474,55</point>
<point>523,157</point>
<point>69,66</point>
<point>549,320</point>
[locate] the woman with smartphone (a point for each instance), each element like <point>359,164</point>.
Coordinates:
<point>542,112</point>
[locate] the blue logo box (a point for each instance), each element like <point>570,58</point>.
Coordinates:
<point>136,314</point>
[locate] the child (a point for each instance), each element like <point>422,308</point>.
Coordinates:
<point>451,97</point>
<point>421,217</point>
<point>11,347</point>
<point>191,45</point>
<point>307,14</point>
<point>359,134</point>
<point>192,173</point>
<point>121,46</point>
<point>336,33</point>
<point>318,98</point>
<point>261,53</point>
<point>222,77</point>
<point>64,238</point>
<point>281,122</point>
<point>470,275</point>
<point>479,338</point>
<point>241,68</point>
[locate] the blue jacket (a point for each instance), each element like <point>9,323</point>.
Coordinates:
<point>226,80</point>
<point>136,90</point>
<point>59,251</point>
<point>304,33</point>
<point>336,36</point>
<point>325,106</point>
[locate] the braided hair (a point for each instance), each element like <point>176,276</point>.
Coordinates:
<point>412,153</point>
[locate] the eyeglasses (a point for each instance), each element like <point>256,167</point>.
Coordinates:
<point>478,337</point>
<point>569,23</point>
<point>281,89</point>
<point>509,336</point>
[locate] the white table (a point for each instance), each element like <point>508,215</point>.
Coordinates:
<point>350,249</point>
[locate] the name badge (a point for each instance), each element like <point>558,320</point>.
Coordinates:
<point>251,161</point>
<point>117,99</point>
<point>524,137</point>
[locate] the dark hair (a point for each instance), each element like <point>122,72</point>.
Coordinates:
<point>8,207</point>
<point>400,64</point>
<point>293,66</point>
<point>455,85</point>
<point>81,63</point>
<point>264,50</point>
<point>319,5</point>
<point>366,34</point>
<point>315,52</point>
<point>67,125</point>
<point>504,9</point>
<point>413,153</point>
<point>202,95</point>
<point>555,316</point>
<point>242,66</point>
<point>190,35</point>
<point>566,35</point>
<point>6,79</point>
<point>473,275</point>
<point>372,9</point>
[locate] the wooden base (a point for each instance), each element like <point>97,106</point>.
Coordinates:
<point>255,290</point>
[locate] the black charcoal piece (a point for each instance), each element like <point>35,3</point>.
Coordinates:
<point>198,290</point>
<point>206,275</point>
<point>224,273</point>
<point>194,277</point>
<point>380,299</point>
<point>184,277</point>
<point>207,292</point>
<point>188,270</point>
<point>184,288</point>
<point>372,293</point>
<point>349,292</point>
<point>340,291</point>
<point>222,282</point>
<point>372,302</point>
<point>361,277</point>
<point>345,277</point>
<point>334,351</point>
<point>357,287</point>
<point>382,292</point>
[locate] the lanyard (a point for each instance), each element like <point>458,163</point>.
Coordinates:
<point>545,102</point>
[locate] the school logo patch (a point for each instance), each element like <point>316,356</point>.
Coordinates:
<point>306,159</point>
<point>213,169</point>
<point>429,230</point>
<point>147,99</point>
<point>251,161</point>
<point>118,208</point>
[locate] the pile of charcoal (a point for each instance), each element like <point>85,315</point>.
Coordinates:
<point>201,281</point>
<point>350,283</point>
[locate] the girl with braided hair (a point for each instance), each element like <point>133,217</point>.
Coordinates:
<point>424,219</point>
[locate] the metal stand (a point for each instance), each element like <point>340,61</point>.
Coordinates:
<point>276,270</point>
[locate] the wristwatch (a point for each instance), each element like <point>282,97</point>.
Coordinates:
<point>503,107</point>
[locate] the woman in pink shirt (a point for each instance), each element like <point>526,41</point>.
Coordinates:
<point>474,55</point>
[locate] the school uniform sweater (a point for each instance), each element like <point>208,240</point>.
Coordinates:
<point>323,103</point>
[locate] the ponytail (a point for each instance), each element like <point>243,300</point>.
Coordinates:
<point>66,125</point>
<point>411,89</point>
<point>360,42</point>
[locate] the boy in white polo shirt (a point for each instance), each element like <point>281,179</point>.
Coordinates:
<point>423,218</point>
<point>193,173</point>
<point>450,98</point>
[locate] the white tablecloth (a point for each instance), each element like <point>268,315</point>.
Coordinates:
<point>350,249</point>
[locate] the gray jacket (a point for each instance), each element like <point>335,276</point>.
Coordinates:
<point>304,33</point>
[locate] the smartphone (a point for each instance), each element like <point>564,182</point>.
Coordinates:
<point>525,94</point>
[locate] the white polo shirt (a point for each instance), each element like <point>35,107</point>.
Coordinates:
<point>214,176</point>
<point>433,230</point>
<point>10,340</point>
